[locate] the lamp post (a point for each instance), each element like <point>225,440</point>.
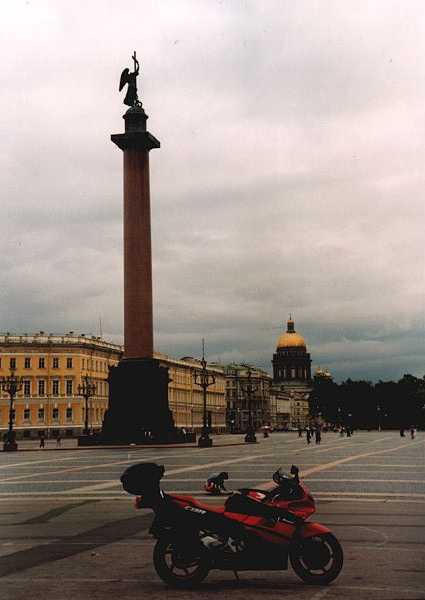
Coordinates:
<point>378,411</point>
<point>204,379</point>
<point>349,425</point>
<point>11,384</point>
<point>87,389</point>
<point>339,421</point>
<point>249,388</point>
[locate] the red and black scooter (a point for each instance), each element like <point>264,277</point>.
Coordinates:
<point>254,530</point>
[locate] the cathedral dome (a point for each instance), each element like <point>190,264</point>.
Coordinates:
<point>291,339</point>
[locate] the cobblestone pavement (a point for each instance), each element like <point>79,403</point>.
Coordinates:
<point>68,530</point>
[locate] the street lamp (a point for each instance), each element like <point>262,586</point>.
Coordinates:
<point>249,388</point>
<point>349,425</point>
<point>87,389</point>
<point>378,410</point>
<point>204,379</point>
<point>11,384</point>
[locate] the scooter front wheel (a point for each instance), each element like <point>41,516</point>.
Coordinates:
<point>177,568</point>
<point>317,560</point>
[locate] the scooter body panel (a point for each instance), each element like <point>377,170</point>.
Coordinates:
<point>309,530</point>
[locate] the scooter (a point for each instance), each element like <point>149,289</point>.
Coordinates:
<point>253,530</point>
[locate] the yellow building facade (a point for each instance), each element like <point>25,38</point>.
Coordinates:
<point>186,397</point>
<point>51,368</point>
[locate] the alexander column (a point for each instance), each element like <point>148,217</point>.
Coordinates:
<point>138,385</point>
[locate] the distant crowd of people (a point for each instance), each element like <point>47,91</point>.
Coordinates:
<point>315,432</point>
<point>310,433</point>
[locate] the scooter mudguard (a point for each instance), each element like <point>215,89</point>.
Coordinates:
<point>309,530</point>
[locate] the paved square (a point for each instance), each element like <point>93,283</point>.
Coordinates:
<point>69,531</point>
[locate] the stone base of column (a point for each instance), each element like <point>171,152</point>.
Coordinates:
<point>205,441</point>
<point>10,444</point>
<point>138,409</point>
<point>250,437</point>
<point>10,447</point>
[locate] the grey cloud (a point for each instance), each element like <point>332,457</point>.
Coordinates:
<point>289,178</point>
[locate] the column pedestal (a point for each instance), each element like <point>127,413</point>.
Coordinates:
<point>138,403</point>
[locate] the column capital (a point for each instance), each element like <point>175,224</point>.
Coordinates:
<point>136,137</point>
<point>135,140</point>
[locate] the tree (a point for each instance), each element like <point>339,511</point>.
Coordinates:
<point>323,399</point>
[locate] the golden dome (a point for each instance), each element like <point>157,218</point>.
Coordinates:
<point>291,339</point>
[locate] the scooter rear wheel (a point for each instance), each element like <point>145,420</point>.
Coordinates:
<point>175,568</point>
<point>317,560</point>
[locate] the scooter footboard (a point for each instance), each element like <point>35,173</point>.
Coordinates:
<point>308,530</point>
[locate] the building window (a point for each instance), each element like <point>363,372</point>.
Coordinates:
<point>69,363</point>
<point>55,414</point>
<point>13,363</point>
<point>41,414</point>
<point>69,414</point>
<point>69,387</point>
<point>56,363</point>
<point>26,414</point>
<point>55,387</point>
<point>41,363</point>
<point>27,388</point>
<point>27,363</point>
<point>41,387</point>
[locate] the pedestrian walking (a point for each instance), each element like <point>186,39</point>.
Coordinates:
<point>308,435</point>
<point>58,441</point>
<point>412,433</point>
<point>401,431</point>
<point>42,440</point>
<point>318,435</point>
<point>300,432</point>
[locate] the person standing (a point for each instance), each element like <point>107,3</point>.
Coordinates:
<point>412,433</point>
<point>42,440</point>
<point>58,441</point>
<point>308,435</point>
<point>318,434</point>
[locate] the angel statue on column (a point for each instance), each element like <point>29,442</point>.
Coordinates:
<point>131,98</point>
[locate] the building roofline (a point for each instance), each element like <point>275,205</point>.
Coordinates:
<point>57,339</point>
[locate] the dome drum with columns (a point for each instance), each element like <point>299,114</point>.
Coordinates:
<point>291,361</point>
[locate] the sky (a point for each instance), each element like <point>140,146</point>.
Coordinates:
<point>290,177</point>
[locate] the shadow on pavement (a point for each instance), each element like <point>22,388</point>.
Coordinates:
<point>53,514</point>
<point>71,545</point>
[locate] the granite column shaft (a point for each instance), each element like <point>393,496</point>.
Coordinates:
<point>138,313</point>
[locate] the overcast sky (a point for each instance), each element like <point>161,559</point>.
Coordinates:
<point>290,176</point>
